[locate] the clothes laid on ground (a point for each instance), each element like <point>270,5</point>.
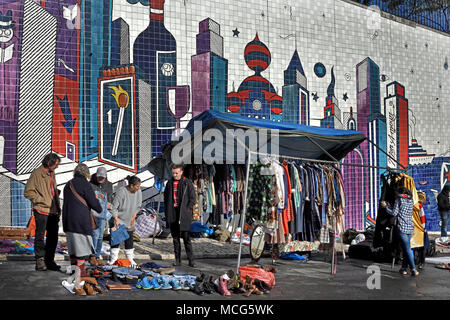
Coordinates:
<point>296,200</point>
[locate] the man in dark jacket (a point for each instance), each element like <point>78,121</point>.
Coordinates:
<point>443,200</point>
<point>100,182</point>
<point>179,200</point>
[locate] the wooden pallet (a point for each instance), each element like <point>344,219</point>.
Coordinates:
<point>19,233</point>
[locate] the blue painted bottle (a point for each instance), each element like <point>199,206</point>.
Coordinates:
<point>154,52</point>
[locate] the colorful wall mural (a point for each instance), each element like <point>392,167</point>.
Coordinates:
<point>107,82</point>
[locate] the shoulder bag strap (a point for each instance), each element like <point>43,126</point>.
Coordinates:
<point>77,195</point>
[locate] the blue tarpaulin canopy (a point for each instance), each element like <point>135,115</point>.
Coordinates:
<point>210,128</point>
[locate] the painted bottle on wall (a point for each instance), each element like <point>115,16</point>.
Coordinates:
<point>155,53</point>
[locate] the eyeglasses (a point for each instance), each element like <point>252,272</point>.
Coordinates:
<point>6,32</point>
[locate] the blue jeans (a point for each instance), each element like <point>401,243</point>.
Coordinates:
<point>408,256</point>
<point>97,236</point>
<point>444,222</point>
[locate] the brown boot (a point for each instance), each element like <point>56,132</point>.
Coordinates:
<point>40,265</point>
<point>98,289</point>
<point>89,280</point>
<point>93,261</point>
<point>100,262</point>
<point>79,291</point>
<point>89,290</point>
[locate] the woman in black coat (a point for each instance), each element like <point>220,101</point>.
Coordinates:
<point>77,222</point>
<point>179,212</point>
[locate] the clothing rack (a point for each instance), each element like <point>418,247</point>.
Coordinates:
<point>244,212</point>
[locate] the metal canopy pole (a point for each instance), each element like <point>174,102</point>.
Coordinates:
<point>244,211</point>
<point>157,212</point>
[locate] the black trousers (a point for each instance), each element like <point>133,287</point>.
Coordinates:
<point>46,249</point>
<point>177,235</point>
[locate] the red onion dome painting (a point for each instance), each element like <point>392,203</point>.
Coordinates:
<point>256,96</point>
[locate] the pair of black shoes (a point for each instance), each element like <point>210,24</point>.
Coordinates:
<point>44,265</point>
<point>204,284</point>
<point>262,286</point>
<point>191,264</point>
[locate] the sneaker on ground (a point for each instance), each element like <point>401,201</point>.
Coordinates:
<point>164,284</point>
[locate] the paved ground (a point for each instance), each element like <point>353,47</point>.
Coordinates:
<point>294,280</point>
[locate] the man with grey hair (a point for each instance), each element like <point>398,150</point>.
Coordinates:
<point>42,191</point>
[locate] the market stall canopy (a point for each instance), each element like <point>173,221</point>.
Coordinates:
<point>205,133</point>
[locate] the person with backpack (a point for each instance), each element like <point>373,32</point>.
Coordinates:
<point>41,189</point>
<point>403,210</point>
<point>104,191</point>
<point>443,200</point>
<point>179,200</point>
<point>125,207</point>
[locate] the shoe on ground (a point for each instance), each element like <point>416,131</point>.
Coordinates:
<point>89,290</point>
<point>192,264</point>
<point>52,266</point>
<point>155,284</point>
<point>177,263</point>
<point>206,286</point>
<point>223,287</point>
<point>93,261</point>
<point>79,291</point>
<point>421,266</point>
<point>186,286</point>
<point>198,288</point>
<point>144,284</point>
<point>403,272</point>
<point>164,284</point>
<point>40,265</point>
<point>175,285</point>
<point>414,273</point>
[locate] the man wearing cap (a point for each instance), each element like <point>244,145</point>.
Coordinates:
<point>104,191</point>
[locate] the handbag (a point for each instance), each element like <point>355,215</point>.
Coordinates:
<point>118,234</point>
<point>75,193</point>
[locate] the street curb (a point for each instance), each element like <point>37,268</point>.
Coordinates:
<point>151,256</point>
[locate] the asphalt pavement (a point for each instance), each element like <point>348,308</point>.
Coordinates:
<point>310,280</point>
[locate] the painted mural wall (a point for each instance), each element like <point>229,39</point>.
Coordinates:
<point>106,83</point>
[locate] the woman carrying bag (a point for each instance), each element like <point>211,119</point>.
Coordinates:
<point>127,203</point>
<point>403,210</point>
<point>78,222</point>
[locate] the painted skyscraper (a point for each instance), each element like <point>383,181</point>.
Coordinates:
<point>94,55</point>
<point>353,183</point>
<point>295,93</point>
<point>332,112</point>
<point>32,38</point>
<point>377,134</point>
<point>396,111</point>
<point>209,70</point>
<point>120,43</point>
<point>369,116</point>
<point>66,103</point>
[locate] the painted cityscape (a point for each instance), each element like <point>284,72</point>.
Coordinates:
<point>74,81</point>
